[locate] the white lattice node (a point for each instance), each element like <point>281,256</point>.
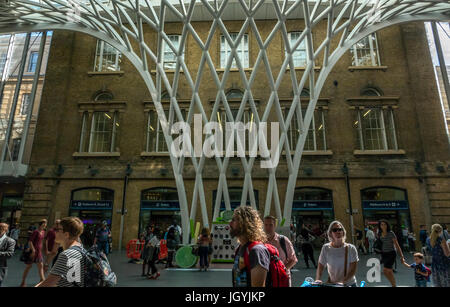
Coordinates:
<point>122,23</point>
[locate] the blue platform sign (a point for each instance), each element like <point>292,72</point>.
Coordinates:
<point>312,205</point>
<point>91,205</point>
<point>385,205</point>
<point>163,205</point>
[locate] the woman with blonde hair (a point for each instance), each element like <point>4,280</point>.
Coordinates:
<point>340,258</point>
<point>440,265</point>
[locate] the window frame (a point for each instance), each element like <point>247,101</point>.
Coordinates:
<point>22,106</point>
<point>112,141</point>
<point>224,43</point>
<point>304,43</point>
<point>100,55</point>
<point>164,52</point>
<point>32,62</point>
<point>376,62</point>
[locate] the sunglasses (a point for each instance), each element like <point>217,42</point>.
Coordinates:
<point>337,229</point>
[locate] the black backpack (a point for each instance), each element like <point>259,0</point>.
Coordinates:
<point>98,271</point>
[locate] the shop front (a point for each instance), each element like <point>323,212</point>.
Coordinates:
<point>312,207</point>
<point>159,207</point>
<point>92,206</point>
<point>10,209</point>
<point>386,203</point>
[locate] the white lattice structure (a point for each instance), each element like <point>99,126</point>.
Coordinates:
<point>120,23</point>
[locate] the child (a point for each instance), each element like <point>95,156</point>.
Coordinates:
<point>421,273</point>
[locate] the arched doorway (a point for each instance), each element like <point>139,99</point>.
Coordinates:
<point>235,198</point>
<point>159,207</point>
<point>389,203</point>
<point>312,207</point>
<point>92,206</point>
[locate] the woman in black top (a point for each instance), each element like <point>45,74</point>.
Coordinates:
<point>389,246</point>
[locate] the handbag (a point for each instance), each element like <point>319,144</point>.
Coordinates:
<point>378,245</point>
<point>195,250</point>
<point>345,264</point>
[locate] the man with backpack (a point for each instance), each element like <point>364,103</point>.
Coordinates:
<point>70,267</point>
<point>256,263</point>
<point>282,243</point>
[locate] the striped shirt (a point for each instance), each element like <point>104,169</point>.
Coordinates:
<point>70,266</point>
<point>388,242</point>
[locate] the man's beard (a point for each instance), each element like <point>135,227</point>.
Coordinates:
<point>235,232</point>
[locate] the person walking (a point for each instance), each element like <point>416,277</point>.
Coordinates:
<point>50,246</point>
<point>440,264</point>
<point>340,258</point>
<point>388,250</point>
<point>282,243</point>
<point>102,238</point>
<point>359,236</point>
<point>423,235</point>
<point>7,247</point>
<point>14,234</point>
<point>173,240</point>
<point>370,235</point>
<point>35,244</point>
<point>203,243</point>
<point>445,232</point>
<point>247,227</point>
<point>306,238</point>
<point>70,265</point>
<point>153,245</point>
<point>147,253</point>
<point>420,271</point>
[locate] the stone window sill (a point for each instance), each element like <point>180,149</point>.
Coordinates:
<point>353,68</point>
<point>167,71</point>
<point>234,69</point>
<point>303,68</point>
<point>154,154</point>
<point>105,73</point>
<point>95,154</point>
<point>313,153</point>
<point>378,152</point>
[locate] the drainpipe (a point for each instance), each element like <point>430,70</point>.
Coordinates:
<point>347,182</point>
<point>123,211</point>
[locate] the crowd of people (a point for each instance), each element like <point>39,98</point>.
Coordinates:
<point>262,253</point>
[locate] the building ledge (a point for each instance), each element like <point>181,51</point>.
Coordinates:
<point>167,71</point>
<point>234,69</point>
<point>353,68</point>
<point>378,152</point>
<point>303,68</point>
<point>95,154</point>
<point>154,154</point>
<point>312,153</point>
<point>105,73</point>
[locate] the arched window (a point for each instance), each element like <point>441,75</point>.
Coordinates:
<point>235,194</point>
<point>103,96</point>
<point>383,194</point>
<point>371,91</point>
<point>311,193</point>
<point>92,194</point>
<point>160,194</point>
<point>304,93</point>
<point>234,94</point>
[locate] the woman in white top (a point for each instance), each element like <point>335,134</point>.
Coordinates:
<point>335,255</point>
<point>370,235</point>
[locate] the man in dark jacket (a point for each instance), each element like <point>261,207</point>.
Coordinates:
<point>7,246</point>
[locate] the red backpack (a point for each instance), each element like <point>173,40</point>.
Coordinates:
<point>277,275</point>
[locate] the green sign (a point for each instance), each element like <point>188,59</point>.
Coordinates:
<point>12,202</point>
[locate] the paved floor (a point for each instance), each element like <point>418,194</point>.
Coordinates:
<point>218,276</point>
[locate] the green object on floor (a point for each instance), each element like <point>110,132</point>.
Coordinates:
<point>184,257</point>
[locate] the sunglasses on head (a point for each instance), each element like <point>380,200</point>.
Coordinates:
<point>337,229</point>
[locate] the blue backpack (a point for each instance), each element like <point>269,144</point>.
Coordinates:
<point>98,271</point>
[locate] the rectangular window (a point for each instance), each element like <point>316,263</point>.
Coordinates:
<point>241,50</point>
<point>15,150</point>
<point>170,57</point>
<point>365,52</point>
<point>2,63</point>
<point>376,129</point>
<point>25,104</point>
<point>104,128</point>
<point>107,58</point>
<point>33,62</point>
<point>299,55</point>
<point>316,138</point>
<point>155,134</point>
